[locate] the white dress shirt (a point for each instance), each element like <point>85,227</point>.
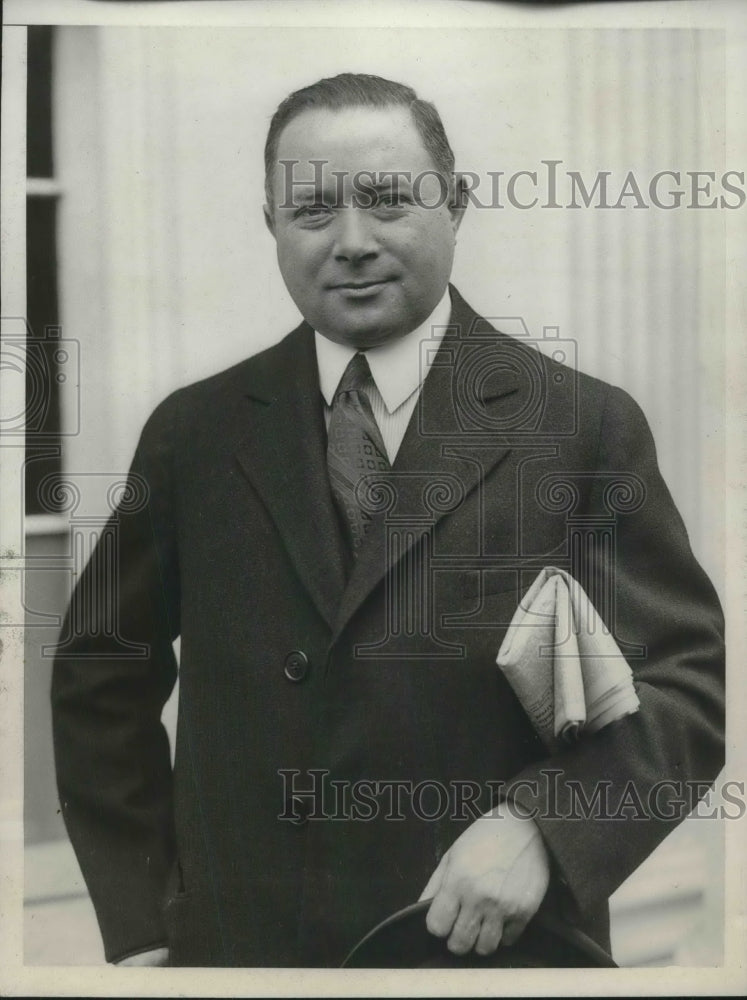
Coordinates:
<point>398,370</point>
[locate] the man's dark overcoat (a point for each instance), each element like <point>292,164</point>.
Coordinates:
<point>511,462</point>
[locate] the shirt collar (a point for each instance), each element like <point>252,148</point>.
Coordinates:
<point>396,366</point>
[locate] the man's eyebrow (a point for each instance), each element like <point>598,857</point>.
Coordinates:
<point>384,181</point>
<point>310,193</point>
<point>307,192</point>
<point>379,182</point>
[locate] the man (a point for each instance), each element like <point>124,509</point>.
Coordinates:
<point>339,529</point>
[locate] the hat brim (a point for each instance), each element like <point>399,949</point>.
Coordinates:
<point>402,941</point>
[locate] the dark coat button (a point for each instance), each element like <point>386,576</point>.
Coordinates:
<point>296,665</point>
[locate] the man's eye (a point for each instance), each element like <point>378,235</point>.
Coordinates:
<point>313,211</point>
<point>392,200</point>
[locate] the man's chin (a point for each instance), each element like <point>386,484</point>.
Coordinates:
<point>364,332</point>
<point>363,340</point>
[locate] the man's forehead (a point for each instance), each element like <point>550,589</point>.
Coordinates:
<point>356,135</point>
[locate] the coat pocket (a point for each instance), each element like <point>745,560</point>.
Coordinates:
<point>476,599</point>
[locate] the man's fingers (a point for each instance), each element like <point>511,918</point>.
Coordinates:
<point>442,914</point>
<point>465,932</point>
<point>485,889</point>
<point>434,882</point>
<point>467,926</point>
<point>490,936</point>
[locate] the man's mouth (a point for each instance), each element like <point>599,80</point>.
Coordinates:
<point>360,288</point>
<point>362,284</point>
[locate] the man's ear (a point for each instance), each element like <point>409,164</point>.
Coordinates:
<point>458,205</point>
<point>269,221</point>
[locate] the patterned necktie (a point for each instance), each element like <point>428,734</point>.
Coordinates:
<point>354,446</point>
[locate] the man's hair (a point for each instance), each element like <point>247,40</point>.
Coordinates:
<point>361,90</point>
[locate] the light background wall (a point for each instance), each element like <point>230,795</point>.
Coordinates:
<point>167,274</point>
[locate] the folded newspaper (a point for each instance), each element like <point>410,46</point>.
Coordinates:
<point>564,666</point>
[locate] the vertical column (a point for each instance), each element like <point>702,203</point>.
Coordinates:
<point>592,538</point>
<point>591,545</point>
<point>94,547</point>
<point>410,628</point>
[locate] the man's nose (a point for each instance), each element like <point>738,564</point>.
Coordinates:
<point>355,237</point>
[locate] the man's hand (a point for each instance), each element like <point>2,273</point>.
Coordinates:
<point>489,884</point>
<point>155,957</point>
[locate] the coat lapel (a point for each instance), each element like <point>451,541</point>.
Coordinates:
<point>433,451</point>
<point>284,456</point>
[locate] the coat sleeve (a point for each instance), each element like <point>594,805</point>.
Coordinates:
<point>111,750</point>
<point>606,803</point>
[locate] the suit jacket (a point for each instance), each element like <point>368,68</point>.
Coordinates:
<point>293,675</point>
